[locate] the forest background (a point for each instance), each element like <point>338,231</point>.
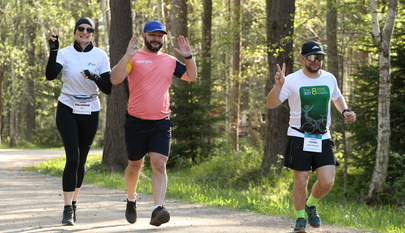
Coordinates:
<point>222,116</point>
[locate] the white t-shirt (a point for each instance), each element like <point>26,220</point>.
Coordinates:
<point>310,102</point>
<point>74,84</point>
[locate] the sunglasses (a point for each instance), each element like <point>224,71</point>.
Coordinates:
<point>319,57</point>
<point>89,30</point>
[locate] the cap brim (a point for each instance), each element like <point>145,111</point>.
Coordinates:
<point>315,52</point>
<point>157,31</point>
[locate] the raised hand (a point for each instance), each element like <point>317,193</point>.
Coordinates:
<point>53,40</point>
<point>279,78</point>
<point>131,47</point>
<point>184,48</point>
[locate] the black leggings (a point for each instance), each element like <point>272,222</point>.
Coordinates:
<point>77,132</point>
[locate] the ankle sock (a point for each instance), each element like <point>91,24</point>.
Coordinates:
<point>312,201</point>
<point>301,213</point>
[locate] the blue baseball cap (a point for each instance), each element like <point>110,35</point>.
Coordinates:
<point>153,26</point>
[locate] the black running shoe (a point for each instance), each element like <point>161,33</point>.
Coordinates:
<point>67,219</point>
<point>313,218</point>
<point>130,212</point>
<point>159,216</point>
<point>300,225</point>
<point>74,211</point>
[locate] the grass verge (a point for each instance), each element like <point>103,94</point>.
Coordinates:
<point>210,184</point>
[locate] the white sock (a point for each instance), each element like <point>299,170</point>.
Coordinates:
<point>132,200</point>
<point>156,206</point>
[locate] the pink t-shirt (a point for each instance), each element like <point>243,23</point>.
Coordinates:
<point>149,79</point>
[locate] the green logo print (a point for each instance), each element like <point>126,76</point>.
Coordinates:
<point>314,109</point>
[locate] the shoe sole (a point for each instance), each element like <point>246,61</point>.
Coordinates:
<point>159,220</point>
<point>67,224</point>
<point>131,221</point>
<point>301,231</point>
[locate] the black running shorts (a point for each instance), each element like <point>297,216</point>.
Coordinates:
<point>144,136</point>
<point>298,159</point>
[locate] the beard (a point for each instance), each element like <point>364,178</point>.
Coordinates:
<point>310,69</point>
<point>153,48</point>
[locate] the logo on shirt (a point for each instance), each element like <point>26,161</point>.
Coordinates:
<point>145,62</point>
<point>90,64</point>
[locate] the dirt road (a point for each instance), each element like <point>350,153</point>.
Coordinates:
<point>33,202</point>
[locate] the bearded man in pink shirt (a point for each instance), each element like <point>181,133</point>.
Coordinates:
<point>147,124</point>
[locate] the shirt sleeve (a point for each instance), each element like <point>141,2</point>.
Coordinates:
<point>180,69</point>
<point>129,66</point>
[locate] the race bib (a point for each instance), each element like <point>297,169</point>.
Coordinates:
<point>312,143</point>
<point>83,108</point>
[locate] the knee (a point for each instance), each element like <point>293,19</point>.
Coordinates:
<point>134,167</point>
<point>158,165</point>
<point>326,184</point>
<point>72,162</point>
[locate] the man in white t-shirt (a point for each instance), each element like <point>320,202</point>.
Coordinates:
<point>309,92</point>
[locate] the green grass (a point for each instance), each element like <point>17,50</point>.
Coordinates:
<point>225,183</point>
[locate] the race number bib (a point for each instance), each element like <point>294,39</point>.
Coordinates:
<point>83,108</point>
<point>313,143</point>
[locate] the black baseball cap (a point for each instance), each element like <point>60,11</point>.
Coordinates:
<point>312,47</point>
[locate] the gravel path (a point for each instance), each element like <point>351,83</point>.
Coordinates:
<point>33,202</point>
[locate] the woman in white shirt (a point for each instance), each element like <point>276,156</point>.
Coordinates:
<point>85,70</point>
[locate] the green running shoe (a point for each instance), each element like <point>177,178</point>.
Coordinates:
<point>313,218</point>
<point>300,225</point>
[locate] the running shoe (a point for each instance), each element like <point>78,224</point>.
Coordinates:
<point>300,225</point>
<point>67,219</point>
<point>313,218</point>
<point>159,216</point>
<point>130,212</point>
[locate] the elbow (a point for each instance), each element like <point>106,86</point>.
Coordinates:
<point>272,105</point>
<point>114,80</point>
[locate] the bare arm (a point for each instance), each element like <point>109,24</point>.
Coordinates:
<point>185,51</point>
<point>273,98</point>
<point>119,72</point>
<point>341,105</point>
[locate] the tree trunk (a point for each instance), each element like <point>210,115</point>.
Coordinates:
<point>114,153</point>
<point>280,22</point>
<point>334,64</point>
<point>178,19</point>
<point>29,82</point>
<point>206,46</point>
<point>13,127</point>
<point>234,98</point>
<point>383,42</point>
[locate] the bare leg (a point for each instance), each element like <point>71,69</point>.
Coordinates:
<point>132,173</point>
<point>325,179</point>
<point>159,179</point>
<point>76,194</point>
<point>299,191</point>
<point>68,197</point>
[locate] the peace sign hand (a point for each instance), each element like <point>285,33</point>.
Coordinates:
<point>53,40</point>
<point>279,78</point>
